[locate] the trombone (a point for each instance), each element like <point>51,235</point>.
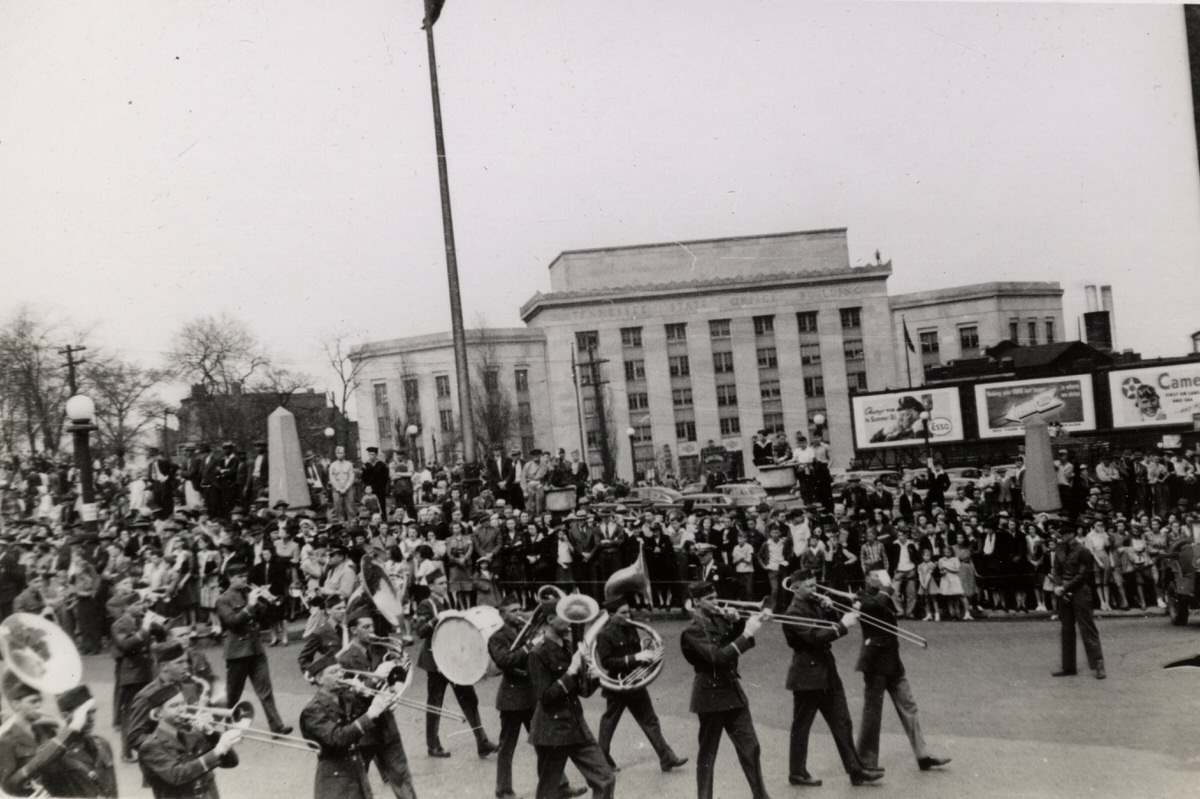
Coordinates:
<point>831,595</point>
<point>746,610</point>
<point>240,717</point>
<point>394,690</point>
<point>544,594</point>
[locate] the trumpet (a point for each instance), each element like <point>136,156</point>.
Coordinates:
<point>261,592</point>
<point>746,610</point>
<point>830,593</point>
<point>240,717</point>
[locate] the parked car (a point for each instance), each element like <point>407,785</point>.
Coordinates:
<point>712,501</point>
<point>746,495</point>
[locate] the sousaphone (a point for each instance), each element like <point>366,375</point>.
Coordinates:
<point>630,580</point>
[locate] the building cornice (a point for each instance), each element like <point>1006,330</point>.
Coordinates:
<point>434,341</point>
<point>630,248</point>
<point>975,291</point>
<point>691,288</point>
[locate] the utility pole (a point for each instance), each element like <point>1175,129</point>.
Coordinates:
<point>583,447</point>
<point>69,352</point>
<point>593,368</point>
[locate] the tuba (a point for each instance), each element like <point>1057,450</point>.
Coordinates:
<point>629,580</point>
<point>40,653</point>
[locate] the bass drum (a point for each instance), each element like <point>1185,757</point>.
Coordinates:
<point>459,643</point>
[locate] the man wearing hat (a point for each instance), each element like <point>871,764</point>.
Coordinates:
<point>326,637</point>
<point>376,475</point>
<point>428,612</point>
<point>713,644</point>
<point>227,477</point>
<point>514,697</point>
<point>381,744</point>
<point>340,578</point>
<point>85,767</point>
<point>558,730</point>
<point>132,636</point>
<point>178,761</point>
<point>174,669</point>
<point>537,475</point>
<point>333,719</point>
<point>1072,578</point>
<point>161,477</point>
<point>815,685</point>
<point>619,651</point>
<point>501,473</point>
<point>244,655</point>
<point>882,670</point>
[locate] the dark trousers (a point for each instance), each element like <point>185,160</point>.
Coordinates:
<point>90,618</point>
<point>552,760</point>
<point>467,700</point>
<point>391,761</point>
<point>1077,610</point>
<point>125,695</point>
<point>738,725</point>
<point>831,703</point>
<point>642,710</point>
<point>511,722</point>
<point>259,672</point>
<point>897,686</point>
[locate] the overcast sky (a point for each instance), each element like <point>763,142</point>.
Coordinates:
<point>275,160</point>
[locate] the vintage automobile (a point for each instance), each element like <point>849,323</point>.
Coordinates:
<point>747,495</point>
<point>1179,580</point>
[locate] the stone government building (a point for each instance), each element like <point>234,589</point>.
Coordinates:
<point>698,341</point>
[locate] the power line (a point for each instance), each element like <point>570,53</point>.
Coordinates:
<point>70,351</point>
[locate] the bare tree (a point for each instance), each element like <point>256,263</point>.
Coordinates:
<point>217,352</point>
<point>125,404</point>
<point>281,382</point>
<point>491,405</point>
<point>339,353</point>
<point>34,383</point>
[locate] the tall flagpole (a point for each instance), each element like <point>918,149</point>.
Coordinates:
<point>461,369</point>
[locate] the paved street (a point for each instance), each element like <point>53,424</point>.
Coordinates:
<point>986,699</point>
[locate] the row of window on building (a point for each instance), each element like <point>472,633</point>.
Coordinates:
<point>968,339</point>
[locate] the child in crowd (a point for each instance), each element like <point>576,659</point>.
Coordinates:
<point>927,586</point>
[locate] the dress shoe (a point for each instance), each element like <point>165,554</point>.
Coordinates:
<point>927,763</point>
<point>807,780</point>
<point>129,757</point>
<point>674,762</point>
<point>488,748</point>
<point>1100,675</point>
<point>438,752</point>
<point>1063,673</point>
<point>866,776</point>
<point>571,793</point>
<point>509,795</point>
<point>286,729</point>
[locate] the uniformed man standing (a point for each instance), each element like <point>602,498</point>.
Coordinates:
<point>375,473</point>
<point>132,636</point>
<point>619,651</point>
<point>1072,577</point>
<point>883,670</point>
<point>244,655</point>
<point>559,731</point>
<point>816,687</point>
<point>326,637</point>
<point>713,644</point>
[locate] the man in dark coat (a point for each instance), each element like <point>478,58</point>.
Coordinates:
<point>244,655</point>
<point>713,644</point>
<point>178,762</point>
<point>514,697</point>
<point>210,482</point>
<point>501,474</point>
<point>882,670</point>
<point>258,474</point>
<point>619,651</point>
<point>376,474</point>
<point>132,635</point>
<point>331,719</point>
<point>174,669</point>
<point>427,618</point>
<point>326,638</point>
<point>559,731</point>
<point>1072,577</point>
<point>815,685</point>
<point>162,478</point>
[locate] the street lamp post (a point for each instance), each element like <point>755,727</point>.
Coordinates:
<point>329,434</point>
<point>412,431</point>
<point>81,411</point>
<point>818,421</point>
<point>630,432</point>
<point>925,431</point>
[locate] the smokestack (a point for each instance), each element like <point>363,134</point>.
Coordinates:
<point>1089,294</point>
<point>1106,303</point>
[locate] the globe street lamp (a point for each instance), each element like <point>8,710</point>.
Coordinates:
<point>925,430</point>
<point>818,421</point>
<point>329,434</point>
<point>412,431</point>
<point>630,432</point>
<point>81,411</point>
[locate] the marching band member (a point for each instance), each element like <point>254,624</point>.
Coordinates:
<point>174,669</point>
<point>713,644</point>
<point>879,661</point>
<point>332,721</point>
<point>132,635</point>
<point>239,610</point>
<point>559,730</point>
<point>381,743</point>
<point>61,758</point>
<point>178,761</point>
<point>815,685</point>
<point>619,650</point>
<point>514,697</point>
<point>325,637</point>
<point>428,611</point>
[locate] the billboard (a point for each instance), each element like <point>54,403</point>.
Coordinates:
<point>1156,395</point>
<point>1003,408</point>
<point>894,419</point>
